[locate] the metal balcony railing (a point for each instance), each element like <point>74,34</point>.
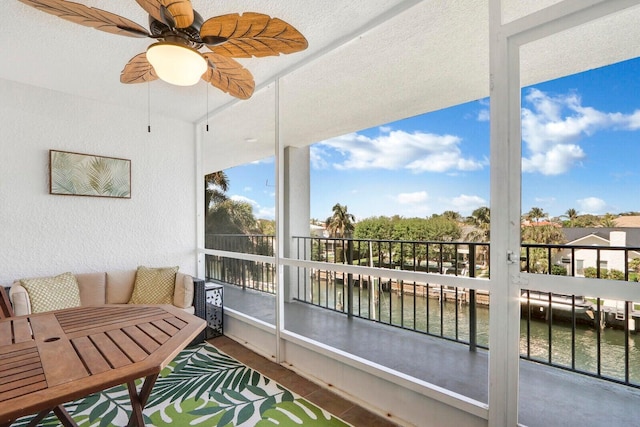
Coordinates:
<point>581,333</point>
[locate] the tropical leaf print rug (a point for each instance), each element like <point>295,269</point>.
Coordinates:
<point>202,387</point>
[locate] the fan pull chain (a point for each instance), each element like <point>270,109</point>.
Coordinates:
<point>207,107</point>
<point>148,108</point>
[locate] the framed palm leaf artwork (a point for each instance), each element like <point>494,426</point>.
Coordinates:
<point>80,174</point>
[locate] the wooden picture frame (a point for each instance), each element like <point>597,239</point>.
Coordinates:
<point>78,174</point>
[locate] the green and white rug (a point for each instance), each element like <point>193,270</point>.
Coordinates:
<point>202,387</point>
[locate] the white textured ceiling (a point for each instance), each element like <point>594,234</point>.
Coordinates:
<point>43,50</point>
<point>369,62</point>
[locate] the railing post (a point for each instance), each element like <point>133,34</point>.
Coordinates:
<point>472,320</point>
<point>472,301</point>
<point>350,279</point>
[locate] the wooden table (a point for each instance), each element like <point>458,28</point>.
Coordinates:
<point>48,359</point>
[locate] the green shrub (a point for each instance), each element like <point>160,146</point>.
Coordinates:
<point>591,272</point>
<point>615,275</point>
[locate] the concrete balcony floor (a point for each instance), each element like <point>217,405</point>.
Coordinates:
<point>548,396</point>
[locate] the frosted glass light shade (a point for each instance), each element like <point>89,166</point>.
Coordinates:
<point>176,64</point>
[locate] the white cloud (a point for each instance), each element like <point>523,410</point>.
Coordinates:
<point>266,161</point>
<point>634,121</point>
<point>417,152</point>
<point>385,129</point>
<point>412,198</point>
<point>553,126</point>
<point>237,198</point>
<point>316,158</point>
<point>265,213</point>
<point>483,115</point>
<point>465,204</point>
<point>555,161</point>
<point>260,212</point>
<point>592,205</point>
<point>247,189</point>
<point>545,199</point>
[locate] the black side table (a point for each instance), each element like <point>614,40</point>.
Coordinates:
<point>214,310</point>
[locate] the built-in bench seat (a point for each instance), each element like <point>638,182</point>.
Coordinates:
<point>116,287</point>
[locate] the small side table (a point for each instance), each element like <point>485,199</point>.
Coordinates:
<point>214,310</point>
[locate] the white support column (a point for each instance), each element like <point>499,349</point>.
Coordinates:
<point>280,222</point>
<point>296,212</point>
<point>200,217</point>
<point>504,323</point>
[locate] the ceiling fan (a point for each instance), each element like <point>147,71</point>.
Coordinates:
<point>181,32</point>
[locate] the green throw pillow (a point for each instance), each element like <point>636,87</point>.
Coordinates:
<point>154,285</point>
<point>52,293</point>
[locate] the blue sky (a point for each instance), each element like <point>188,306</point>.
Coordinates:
<point>581,150</point>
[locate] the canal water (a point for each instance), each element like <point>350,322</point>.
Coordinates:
<point>451,320</point>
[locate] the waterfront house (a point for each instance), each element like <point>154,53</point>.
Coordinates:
<point>589,257</point>
<point>368,63</point>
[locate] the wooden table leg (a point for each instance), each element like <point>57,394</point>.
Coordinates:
<point>35,420</point>
<point>64,416</point>
<point>138,400</point>
<point>61,413</point>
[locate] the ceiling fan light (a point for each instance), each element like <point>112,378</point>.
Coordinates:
<point>176,63</point>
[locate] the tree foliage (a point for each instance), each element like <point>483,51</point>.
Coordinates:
<point>612,274</point>
<point>437,228</point>
<point>376,227</point>
<point>266,227</point>
<point>608,220</point>
<point>536,214</point>
<point>480,220</point>
<point>451,215</point>
<point>571,215</point>
<point>216,185</point>
<point>546,234</point>
<point>538,261</point>
<point>586,220</point>
<point>231,217</point>
<point>558,270</point>
<point>340,224</point>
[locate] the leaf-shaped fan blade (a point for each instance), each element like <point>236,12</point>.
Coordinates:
<point>90,17</point>
<point>181,11</point>
<point>138,70</point>
<point>229,76</point>
<point>251,34</point>
<point>152,7</point>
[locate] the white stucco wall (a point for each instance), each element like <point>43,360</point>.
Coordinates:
<point>615,259</point>
<point>43,234</point>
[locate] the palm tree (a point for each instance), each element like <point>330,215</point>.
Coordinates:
<point>231,217</point>
<point>215,186</point>
<point>571,215</point>
<point>537,261</point>
<point>536,214</point>
<point>546,234</point>
<point>608,220</point>
<point>452,215</point>
<point>480,220</point>
<point>340,224</point>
